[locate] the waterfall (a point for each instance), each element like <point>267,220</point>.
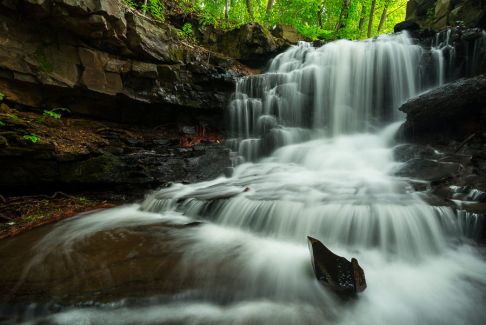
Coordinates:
<point>339,88</point>
<point>462,53</point>
<point>315,136</point>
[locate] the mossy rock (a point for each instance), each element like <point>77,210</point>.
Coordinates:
<point>101,169</point>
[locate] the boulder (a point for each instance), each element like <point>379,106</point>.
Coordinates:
<point>408,25</point>
<point>287,33</point>
<point>451,112</point>
<point>336,272</point>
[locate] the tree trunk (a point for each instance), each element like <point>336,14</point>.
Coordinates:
<point>270,4</point>
<point>370,21</point>
<point>226,11</point>
<point>319,17</point>
<point>343,16</point>
<point>362,16</point>
<point>249,9</point>
<point>144,7</point>
<point>383,18</point>
<point>320,12</point>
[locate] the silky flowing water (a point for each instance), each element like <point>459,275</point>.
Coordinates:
<point>313,140</point>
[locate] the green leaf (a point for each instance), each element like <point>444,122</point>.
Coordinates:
<point>52,114</point>
<point>32,137</point>
<point>12,116</point>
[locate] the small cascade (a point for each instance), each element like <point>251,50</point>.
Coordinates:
<point>461,53</point>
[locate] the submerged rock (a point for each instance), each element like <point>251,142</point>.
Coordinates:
<point>335,271</point>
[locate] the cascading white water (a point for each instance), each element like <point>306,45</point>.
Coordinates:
<point>319,116</point>
<point>342,87</point>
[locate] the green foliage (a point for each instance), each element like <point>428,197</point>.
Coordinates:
<point>54,113</point>
<point>315,19</point>
<point>12,116</point>
<point>186,32</point>
<point>154,7</point>
<point>2,123</point>
<point>460,24</point>
<point>2,97</point>
<point>32,137</point>
<point>42,60</point>
<point>131,3</point>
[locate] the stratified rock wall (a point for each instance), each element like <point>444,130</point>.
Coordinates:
<point>102,59</point>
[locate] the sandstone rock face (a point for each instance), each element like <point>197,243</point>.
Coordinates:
<point>99,58</point>
<point>439,14</point>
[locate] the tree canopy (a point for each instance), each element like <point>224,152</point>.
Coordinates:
<point>328,19</point>
<point>315,19</point>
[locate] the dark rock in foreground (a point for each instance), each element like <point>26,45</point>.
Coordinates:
<point>338,273</point>
<point>451,112</point>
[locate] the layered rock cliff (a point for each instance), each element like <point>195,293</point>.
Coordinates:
<point>102,59</point>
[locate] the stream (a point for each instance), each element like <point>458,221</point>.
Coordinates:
<point>313,142</point>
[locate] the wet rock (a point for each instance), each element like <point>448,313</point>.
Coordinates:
<point>343,276</point>
<point>451,112</point>
<point>407,151</point>
<point>408,25</point>
<point>429,170</point>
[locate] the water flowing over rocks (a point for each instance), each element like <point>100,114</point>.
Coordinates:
<point>447,127</point>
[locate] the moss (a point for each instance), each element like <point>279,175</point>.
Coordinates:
<point>41,58</point>
<point>101,168</point>
<point>33,217</point>
<point>176,54</point>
